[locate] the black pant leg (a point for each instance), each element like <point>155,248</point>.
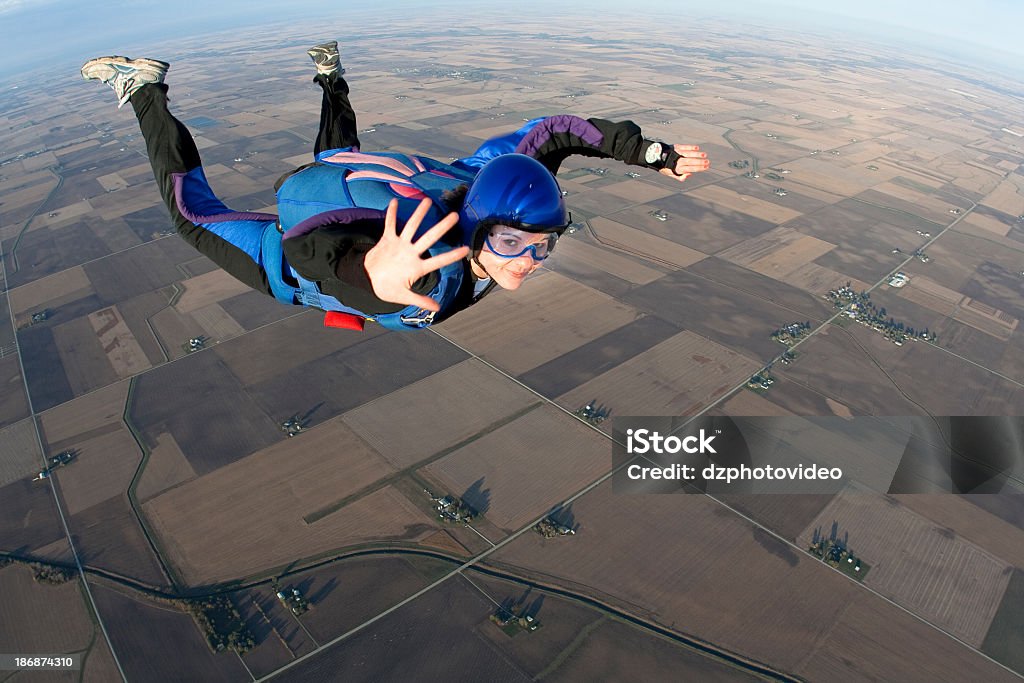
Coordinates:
<point>169,145</point>
<point>337,118</point>
<point>171,150</point>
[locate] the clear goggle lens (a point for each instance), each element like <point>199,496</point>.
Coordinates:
<point>510,243</point>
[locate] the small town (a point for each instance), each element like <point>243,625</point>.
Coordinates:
<point>859,307</point>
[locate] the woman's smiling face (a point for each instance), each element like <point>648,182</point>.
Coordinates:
<point>509,255</point>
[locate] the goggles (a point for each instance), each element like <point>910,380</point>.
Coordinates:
<point>510,243</point>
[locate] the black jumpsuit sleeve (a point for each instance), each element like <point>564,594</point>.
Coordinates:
<point>555,138</point>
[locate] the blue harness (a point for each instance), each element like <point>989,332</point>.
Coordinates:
<point>343,179</point>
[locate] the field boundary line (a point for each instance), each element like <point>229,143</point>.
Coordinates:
<point>473,529</point>
<point>170,572</point>
<point>330,509</point>
<point>35,212</point>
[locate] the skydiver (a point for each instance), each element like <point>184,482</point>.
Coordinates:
<point>351,236</point>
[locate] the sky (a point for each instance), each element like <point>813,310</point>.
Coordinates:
<point>38,31</point>
<point>985,23</point>
<point>984,30</point>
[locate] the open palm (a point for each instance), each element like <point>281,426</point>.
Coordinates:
<point>395,263</point>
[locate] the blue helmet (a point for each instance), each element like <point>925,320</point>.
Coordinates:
<point>514,188</point>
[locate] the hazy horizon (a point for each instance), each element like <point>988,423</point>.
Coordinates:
<point>37,31</point>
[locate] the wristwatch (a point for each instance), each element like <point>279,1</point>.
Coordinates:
<point>656,154</point>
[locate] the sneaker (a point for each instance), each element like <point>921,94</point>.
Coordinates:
<point>125,75</point>
<point>325,56</point>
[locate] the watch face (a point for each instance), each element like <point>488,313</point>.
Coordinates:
<point>653,154</point>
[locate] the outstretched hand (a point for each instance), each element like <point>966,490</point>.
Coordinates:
<point>394,263</point>
<point>691,160</point>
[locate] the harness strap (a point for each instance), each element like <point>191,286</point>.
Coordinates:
<point>272,254</point>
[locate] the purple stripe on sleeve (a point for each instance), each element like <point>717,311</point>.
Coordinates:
<point>333,217</point>
<point>552,125</point>
<point>204,207</point>
<point>233,216</point>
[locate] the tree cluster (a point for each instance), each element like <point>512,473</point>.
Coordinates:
<point>791,333</point>
<point>866,313</point>
<point>52,575</point>
<point>221,623</point>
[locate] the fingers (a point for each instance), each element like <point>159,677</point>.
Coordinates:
<point>413,224</point>
<point>435,233</point>
<point>692,166</point>
<point>680,177</point>
<point>691,160</point>
<point>420,301</point>
<point>442,260</point>
<point>390,220</point>
<point>409,297</point>
<point>691,153</point>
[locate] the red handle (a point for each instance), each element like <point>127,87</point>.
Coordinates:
<point>345,321</point>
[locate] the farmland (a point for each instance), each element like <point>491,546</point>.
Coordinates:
<point>639,554</point>
<point>833,162</point>
<point>160,642</point>
<point>518,336</point>
<point>469,397</point>
<point>521,469</point>
<point>249,516</point>
<point>36,617</point>
<point>648,384</point>
<point>927,568</point>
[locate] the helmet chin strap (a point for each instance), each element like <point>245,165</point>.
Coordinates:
<point>474,257</point>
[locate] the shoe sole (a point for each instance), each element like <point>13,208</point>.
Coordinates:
<point>142,62</point>
<point>330,51</point>
<point>324,47</point>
